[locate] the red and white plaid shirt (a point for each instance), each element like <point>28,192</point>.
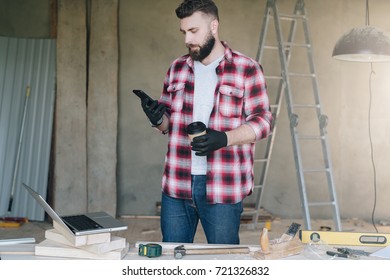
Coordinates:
<point>240,98</point>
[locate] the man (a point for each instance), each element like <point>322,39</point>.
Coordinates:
<point>208,178</point>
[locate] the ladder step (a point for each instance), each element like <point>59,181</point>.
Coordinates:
<point>261,160</point>
<point>247,213</point>
<point>311,137</point>
<point>258,186</point>
<point>310,75</point>
<point>321,203</point>
<point>314,106</point>
<point>290,44</point>
<point>287,45</point>
<point>291,17</point>
<point>314,170</point>
<point>271,47</point>
<point>273,77</point>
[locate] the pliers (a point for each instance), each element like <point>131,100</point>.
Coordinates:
<point>347,253</point>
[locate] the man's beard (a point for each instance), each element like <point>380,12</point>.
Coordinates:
<point>204,50</point>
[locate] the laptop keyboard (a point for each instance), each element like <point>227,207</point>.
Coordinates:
<point>81,222</point>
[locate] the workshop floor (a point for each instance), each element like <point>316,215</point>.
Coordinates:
<point>148,229</point>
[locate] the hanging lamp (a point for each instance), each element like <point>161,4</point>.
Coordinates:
<point>363,44</point>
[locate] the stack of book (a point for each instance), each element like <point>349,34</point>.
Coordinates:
<point>100,246</point>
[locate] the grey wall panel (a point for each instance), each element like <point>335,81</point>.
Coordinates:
<point>25,63</point>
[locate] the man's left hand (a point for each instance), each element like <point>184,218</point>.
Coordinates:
<point>209,142</point>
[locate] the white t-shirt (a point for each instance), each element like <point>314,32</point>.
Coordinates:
<point>205,82</point>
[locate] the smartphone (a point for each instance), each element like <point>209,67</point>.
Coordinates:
<point>142,95</point>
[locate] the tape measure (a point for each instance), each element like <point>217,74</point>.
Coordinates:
<point>150,250</point>
<point>345,238</point>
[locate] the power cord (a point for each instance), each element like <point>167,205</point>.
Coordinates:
<point>372,148</point>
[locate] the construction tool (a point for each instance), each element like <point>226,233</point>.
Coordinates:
<point>287,236</point>
<point>264,241</point>
<point>180,251</point>
<point>344,250</point>
<point>288,244</point>
<point>16,167</point>
<point>290,233</point>
<point>348,253</point>
<point>150,250</point>
<point>11,222</point>
<point>342,255</point>
<point>345,238</point>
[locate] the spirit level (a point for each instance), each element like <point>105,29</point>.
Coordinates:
<point>345,238</point>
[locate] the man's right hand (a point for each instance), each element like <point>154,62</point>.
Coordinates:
<point>154,111</point>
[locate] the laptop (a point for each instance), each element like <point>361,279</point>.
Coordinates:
<point>81,224</point>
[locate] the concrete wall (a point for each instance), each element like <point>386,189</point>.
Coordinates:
<point>25,18</point>
<point>150,40</point>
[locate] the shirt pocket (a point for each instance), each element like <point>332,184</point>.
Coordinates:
<point>231,101</point>
<point>176,91</point>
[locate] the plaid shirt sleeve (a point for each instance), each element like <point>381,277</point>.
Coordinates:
<point>257,108</point>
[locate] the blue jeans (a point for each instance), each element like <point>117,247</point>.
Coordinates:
<point>179,217</point>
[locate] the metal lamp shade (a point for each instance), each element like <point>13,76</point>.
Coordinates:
<point>363,44</point>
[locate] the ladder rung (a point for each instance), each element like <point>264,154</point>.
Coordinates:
<point>252,212</point>
<point>321,203</point>
<point>306,106</point>
<point>291,17</point>
<point>302,75</point>
<point>311,137</point>
<point>274,106</point>
<point>313,170</point>
<point>258,186</point>
<point>273,77</point>
<point>271,47</point>
<point>289,44</point>
<point>261,160</point>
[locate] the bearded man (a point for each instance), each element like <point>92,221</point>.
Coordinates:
<point>207,178</point>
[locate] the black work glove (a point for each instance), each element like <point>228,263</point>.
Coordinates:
<point>154,111</point>
<point>209,142</point>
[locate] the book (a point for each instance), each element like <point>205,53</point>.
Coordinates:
<point>83,240</point>
<point>114,243</point>
<point>50,248</point>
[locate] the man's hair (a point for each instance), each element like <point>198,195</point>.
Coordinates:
<point>188,7</point>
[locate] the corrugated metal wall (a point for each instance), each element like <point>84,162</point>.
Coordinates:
<point>25,63</point>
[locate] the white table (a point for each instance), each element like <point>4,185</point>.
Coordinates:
<point>26,252</point>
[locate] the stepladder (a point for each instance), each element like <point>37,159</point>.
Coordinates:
<point>285,44</point>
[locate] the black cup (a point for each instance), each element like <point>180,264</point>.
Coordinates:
<point>196,129</point>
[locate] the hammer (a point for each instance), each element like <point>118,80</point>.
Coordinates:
<point>181,251</point>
